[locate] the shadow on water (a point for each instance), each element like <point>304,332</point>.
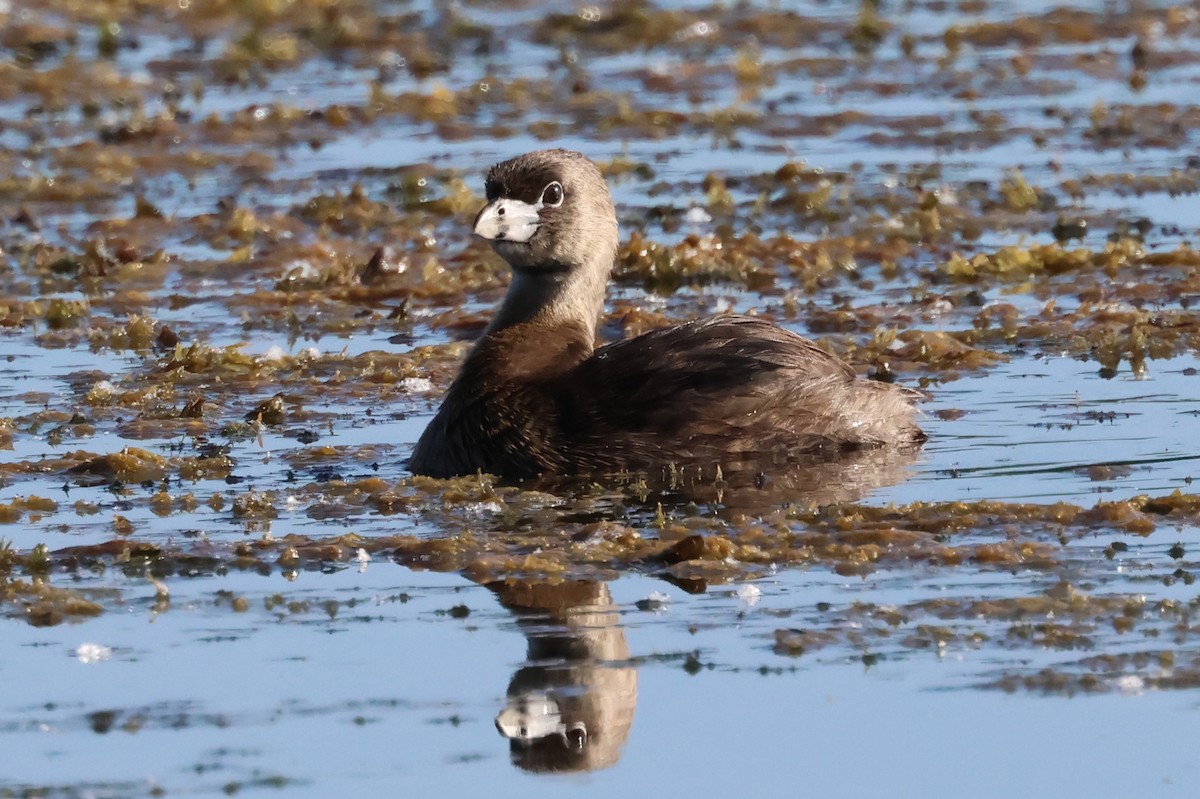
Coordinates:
<point>744,486</point>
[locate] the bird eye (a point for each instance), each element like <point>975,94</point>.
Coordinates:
<point>552,195</point>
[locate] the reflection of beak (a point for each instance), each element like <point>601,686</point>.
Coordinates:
<point>508,220</point>
<point>530,717</point>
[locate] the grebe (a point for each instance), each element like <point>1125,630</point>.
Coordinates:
<point>536,397</point>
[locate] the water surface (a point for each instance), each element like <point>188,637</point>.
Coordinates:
<point>218,577</point>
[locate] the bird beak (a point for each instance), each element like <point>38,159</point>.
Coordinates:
<point>508,220</point>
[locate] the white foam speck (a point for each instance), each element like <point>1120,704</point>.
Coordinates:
<point>101,389</point>
<point>1130,684</point>
<point>416,384</point>
<point>749,595</point>
<point>92,653</point>
<point>655,601</point>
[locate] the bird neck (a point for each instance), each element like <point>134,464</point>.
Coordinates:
<point>553,298</point>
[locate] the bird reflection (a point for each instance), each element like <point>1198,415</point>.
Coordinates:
<point>571,705</point>
<point>753,484</point>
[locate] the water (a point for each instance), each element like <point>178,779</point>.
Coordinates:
<point>391,694</point>
<point>281,608</point>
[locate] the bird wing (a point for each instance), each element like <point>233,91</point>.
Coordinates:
<point>717,385</point>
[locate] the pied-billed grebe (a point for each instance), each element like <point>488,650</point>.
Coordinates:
<point>535,397</point>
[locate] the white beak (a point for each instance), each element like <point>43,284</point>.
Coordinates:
<point>508,220</point>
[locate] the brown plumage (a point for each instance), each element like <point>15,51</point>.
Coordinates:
<point>535,398</point>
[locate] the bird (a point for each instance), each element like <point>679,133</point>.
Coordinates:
<point>535,396</point>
